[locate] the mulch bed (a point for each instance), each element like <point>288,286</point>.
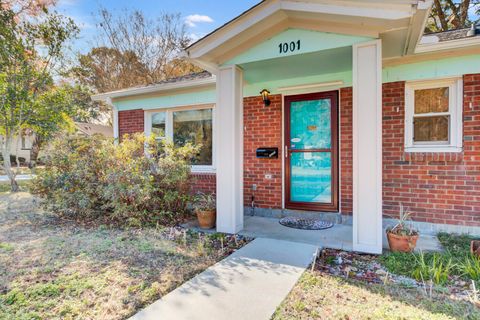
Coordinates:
<point>367,268</point>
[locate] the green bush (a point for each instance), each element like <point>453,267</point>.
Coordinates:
<point>136,182</point>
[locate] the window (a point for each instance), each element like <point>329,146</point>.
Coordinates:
<point>159,124</point>
<point>195,126</point>
<point>184,125</point>
<point>25,143</point>
<point>433,116</point>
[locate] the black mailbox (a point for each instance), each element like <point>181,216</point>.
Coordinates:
<point>268,153</point>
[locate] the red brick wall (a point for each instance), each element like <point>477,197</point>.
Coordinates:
<point>130,121</point>
<point>436,187</point>
<point>346,151</point>
<point>204,182</point>
<point>263,128</point>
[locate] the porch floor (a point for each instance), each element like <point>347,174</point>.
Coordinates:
<point>338,237</point>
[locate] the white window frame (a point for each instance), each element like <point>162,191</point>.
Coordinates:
<point>455,111</point>
<point>169,129</point>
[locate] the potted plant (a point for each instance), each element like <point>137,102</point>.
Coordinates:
<point>475,247</point>
<point>204,206</point>
<point>402,237</point>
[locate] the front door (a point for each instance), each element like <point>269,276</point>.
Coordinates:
<point>311,151</point>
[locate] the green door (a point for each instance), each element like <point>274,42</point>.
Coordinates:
<point>311,157</point>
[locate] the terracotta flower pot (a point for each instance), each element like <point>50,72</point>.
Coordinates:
<point>206,218</point>
<point>475,247</point>
<point>398,243</point>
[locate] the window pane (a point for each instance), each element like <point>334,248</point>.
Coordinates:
<point>311,177</point>
<point>310,124</point>
<point>158,124</point>
<point>431,129</point>
<point>194,126</point>
<point>431,100</point>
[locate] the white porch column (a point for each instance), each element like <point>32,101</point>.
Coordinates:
<point>115,118</point>
<point>367,147</point>
<point>229,160</point>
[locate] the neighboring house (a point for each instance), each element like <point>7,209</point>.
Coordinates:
<point>20,147</point>
<point>365,113</point>
<point>89,129</point>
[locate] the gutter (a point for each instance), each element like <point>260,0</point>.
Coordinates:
<point>157,88</point>
<point>448,45</point>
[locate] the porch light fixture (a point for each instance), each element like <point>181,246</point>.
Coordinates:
<point>266,100</point>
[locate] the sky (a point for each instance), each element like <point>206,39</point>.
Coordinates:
<point>200,16</point>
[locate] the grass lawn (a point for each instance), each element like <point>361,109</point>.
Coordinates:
<point>24,170</point>
<point>5,186</point>
<point>346,285</point>
<point>322,296</point>
<point>52,269</point>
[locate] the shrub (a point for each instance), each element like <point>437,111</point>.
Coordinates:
<point>136,182</point>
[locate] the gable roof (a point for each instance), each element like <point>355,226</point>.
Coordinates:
<point>398,22</point>
<point>91,129</point>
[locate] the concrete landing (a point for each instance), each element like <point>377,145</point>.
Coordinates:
<point>249,284</point>
<point>338,237</point>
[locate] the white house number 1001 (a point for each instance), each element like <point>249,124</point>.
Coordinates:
<point>289,47</point>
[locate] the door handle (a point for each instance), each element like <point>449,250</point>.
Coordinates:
<point>286,151</point>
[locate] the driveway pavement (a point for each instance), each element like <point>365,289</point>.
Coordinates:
<point>18,178</point>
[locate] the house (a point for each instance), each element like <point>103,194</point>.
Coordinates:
<point>325,106</point>
<point>89,129</point>
<point>20,147</point>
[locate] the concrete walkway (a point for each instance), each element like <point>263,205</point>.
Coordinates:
<point>249,284</point>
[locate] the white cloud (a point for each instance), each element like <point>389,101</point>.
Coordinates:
<point>193,19</point>
<point>196,36</point>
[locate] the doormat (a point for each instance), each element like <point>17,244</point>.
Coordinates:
<point>305,223</point>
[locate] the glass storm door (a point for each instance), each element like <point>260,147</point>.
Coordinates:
<point>311,152</point>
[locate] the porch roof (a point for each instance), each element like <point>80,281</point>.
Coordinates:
<point>399,23</point>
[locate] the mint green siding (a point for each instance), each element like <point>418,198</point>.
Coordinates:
<point>304,41</point>
<point>252,89</point>
<point>448,67</point>
<point>167,101</point>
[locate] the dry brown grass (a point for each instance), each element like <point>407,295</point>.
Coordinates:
<point>52,269</point>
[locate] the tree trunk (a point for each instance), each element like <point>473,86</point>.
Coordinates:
<point>34,151</point>
<point>441,15</point>
<point>7,164</point>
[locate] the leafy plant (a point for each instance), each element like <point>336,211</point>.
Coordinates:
<point>455,260</point>
<point>204,202</point>
<point>399,262</point>
<point>458,243</point>
<point>435,268</point>
<point>135,182</point>
<point>470,267</point>
<point>403,228</point>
